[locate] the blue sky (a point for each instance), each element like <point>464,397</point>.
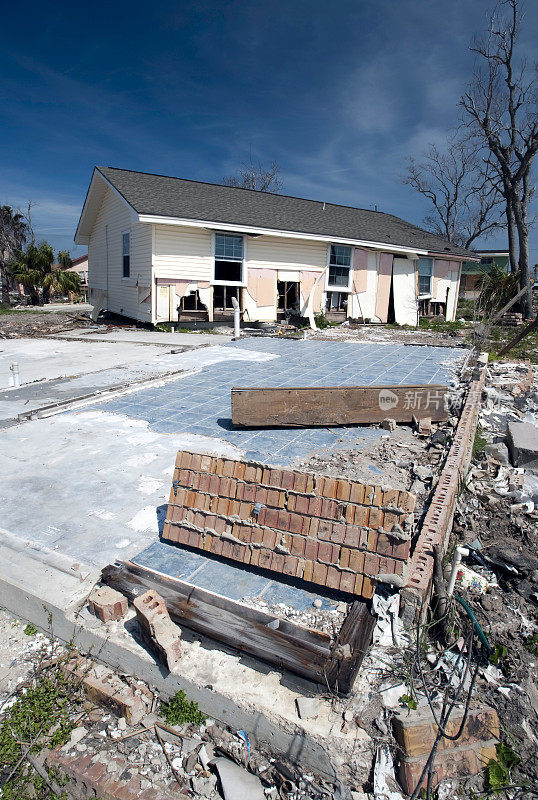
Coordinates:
<point>338,93</point>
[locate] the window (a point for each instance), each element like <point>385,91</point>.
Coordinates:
<point>222,298</point>
<point>425,270</point>
<point>339,265</point>
<point>336,301</point>
<point>228,258</point>
<point>288,295</point>
<point>126,253</point>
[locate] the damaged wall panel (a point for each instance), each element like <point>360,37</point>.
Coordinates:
<point>335,533</point>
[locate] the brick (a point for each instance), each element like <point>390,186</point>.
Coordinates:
<point>108,690</point>
<point>330,509</point>
<point>327,552</point>
<point>390,497</point>
<point>255,557</point>
<point>384,545</point>
<point>356,494</point>
<point>367,587</point>
<point>358,588</point>
<point>290,566</point>
<point>311,549</point>
<point>239,470</point>
<point>401,549</point>
<point>226,549</point>
<point>276,498</point>
<point>319,573</point>
<point>406,501</point>
<point>253,474</point>
<point>300,568</point>
<point>207,463</point>
<point>297,547</point>
<point>269,538</point>
<point>375,519</point>
<point>268,517</point>
<point>325,529</point>
<point>371,543</point>
<point>347,582</point>
<point>277,562</point>
<point>414,737</point>
<point>314,507</point>
<point>308,570</point>
<point>303,483</point>
<point>107,604</point>
<point>157,629</point>
<point>287,480</point>
<point>356,561</point>
<point>265,557</point>
<point>352,535</point>
<point>371,563</point>
<point>333,578</point>
<point>327,487</point>
<point>358,515</point>
<point>345,553</point>
<point>338,533</point>
<point>343,490</point>
<point>485,754</point>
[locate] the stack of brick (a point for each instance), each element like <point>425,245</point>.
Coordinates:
<point>332,532</point>
<point>468,755</point>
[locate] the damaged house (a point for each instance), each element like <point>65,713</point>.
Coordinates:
<point>162,249</point>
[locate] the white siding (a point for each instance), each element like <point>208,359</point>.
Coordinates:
<point>266,252</point>
<point>182,252</point>
<point>105,262</point>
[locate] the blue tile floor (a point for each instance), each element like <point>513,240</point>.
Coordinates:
<point>200,404</point>
<point>236,583</point>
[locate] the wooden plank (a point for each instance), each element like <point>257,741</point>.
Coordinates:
<point>351,646</point>
<point>338,405</point>
<point>265,636</point>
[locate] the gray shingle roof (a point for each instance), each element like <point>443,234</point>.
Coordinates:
<point>175,197</point>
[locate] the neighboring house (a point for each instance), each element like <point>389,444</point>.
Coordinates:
<point>80,266</point>
<point>472,272</point>
<point>159,247</point>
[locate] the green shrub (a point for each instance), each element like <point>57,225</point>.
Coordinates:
<point>180,711</point>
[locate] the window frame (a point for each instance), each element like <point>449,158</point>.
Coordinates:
<point>125,277</point>
<point>419,276</point>
<point>330,287</point>
<point>242,261</point>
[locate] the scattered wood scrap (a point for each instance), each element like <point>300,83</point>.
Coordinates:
<point>306,407</point>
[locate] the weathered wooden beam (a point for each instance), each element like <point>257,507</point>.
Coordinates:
<point>521,335</point>
<point>351,646</point>
<point>339,405</point>
<point>274,640</point>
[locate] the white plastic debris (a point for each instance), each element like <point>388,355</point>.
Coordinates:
<point>388,627</point>
<point>385,787</point>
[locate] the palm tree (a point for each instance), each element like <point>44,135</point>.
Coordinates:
<point>13,234</point>
<point>28,268</point>
<point>57,281</point>
<point>64,259</point>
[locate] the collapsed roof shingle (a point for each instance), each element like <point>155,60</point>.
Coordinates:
<point>159,195</point>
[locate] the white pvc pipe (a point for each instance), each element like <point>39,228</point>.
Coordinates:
<point>16,377</point>
<point>458,553</point>
<point>237,318</point>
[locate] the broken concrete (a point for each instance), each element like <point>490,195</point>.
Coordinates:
<point>523,445</point>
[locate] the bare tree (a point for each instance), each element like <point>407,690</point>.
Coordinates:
<point>465,200</point>
<point>501,109</point>
<point>255,175</point>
